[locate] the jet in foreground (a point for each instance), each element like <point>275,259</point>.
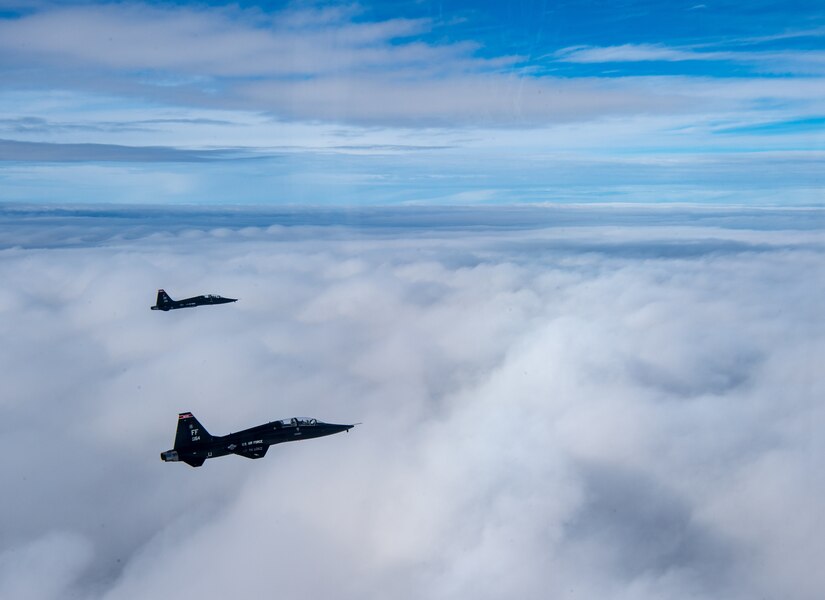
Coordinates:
<point>164,302</point>
<point>193,444</point>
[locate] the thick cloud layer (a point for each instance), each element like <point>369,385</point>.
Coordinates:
<point>579,411</point>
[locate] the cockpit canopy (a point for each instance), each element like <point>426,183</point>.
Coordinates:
<point>297,422</point>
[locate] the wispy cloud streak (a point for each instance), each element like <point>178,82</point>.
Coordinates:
<point>11,150</point>
<point>802,62</point>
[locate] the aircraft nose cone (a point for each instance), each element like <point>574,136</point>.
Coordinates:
<point>336,428</point>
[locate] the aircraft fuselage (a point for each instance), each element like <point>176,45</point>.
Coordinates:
<point>193,444</point>
<point>164,302</point>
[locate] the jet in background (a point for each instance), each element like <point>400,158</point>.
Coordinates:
<point>164,302</point>
<point>193,444</point>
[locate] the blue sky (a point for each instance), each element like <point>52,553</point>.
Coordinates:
<point>311,103</point>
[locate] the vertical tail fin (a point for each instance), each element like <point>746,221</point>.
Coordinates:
<point>190,432</point>
<point>163,298</point>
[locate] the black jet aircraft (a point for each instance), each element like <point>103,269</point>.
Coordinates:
<point>193,444</point>
<point>164,302</point>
